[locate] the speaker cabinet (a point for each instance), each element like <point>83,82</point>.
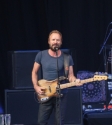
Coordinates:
<point>20,64</point>
<point>98,118</point>
<point>23,107</point>
<point>74,107</point>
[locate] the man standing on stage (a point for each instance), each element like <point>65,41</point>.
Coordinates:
<point>47,59</point>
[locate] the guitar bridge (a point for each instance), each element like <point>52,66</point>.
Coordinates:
<point>44,99</point>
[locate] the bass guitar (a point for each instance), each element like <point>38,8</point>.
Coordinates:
<point>51,86</point>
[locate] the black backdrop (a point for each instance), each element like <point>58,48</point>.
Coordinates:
<point>25,24</point>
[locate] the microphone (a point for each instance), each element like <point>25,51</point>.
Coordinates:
<point>56,48</point>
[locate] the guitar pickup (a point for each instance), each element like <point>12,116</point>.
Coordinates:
<point>49,88</point>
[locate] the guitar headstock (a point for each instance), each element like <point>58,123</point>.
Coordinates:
<point>100,76</point>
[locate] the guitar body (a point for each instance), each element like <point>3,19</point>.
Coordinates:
<point>50,89</point>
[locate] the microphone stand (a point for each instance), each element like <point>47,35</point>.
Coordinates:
<point>105,64</point>
<point>105,36</point>
<point>105,49</point>
<point>105,41</point>
<point>58,90</point>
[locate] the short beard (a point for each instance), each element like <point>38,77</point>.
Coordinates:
<point>54,49</point>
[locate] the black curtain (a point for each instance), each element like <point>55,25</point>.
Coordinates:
<point>25,25</point>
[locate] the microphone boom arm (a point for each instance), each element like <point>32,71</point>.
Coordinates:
<point>105,41</point>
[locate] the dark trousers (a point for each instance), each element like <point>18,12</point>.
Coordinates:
<point>46,109</point>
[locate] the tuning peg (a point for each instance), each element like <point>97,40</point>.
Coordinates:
<point>96,73</point>
<point>106,73</point>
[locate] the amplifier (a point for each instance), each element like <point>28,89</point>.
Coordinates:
<point>23,107</point>
<point>20,64</point>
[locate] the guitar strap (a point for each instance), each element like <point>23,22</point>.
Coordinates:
<point>66,64</point>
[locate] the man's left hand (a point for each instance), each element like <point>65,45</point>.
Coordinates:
<point>78,82</point>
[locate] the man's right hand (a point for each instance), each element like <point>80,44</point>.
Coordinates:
<point>40,90</point>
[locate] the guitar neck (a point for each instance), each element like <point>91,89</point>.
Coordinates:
<point>71,84</point>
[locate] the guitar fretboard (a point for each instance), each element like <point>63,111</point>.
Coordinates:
<point>71,84</point>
